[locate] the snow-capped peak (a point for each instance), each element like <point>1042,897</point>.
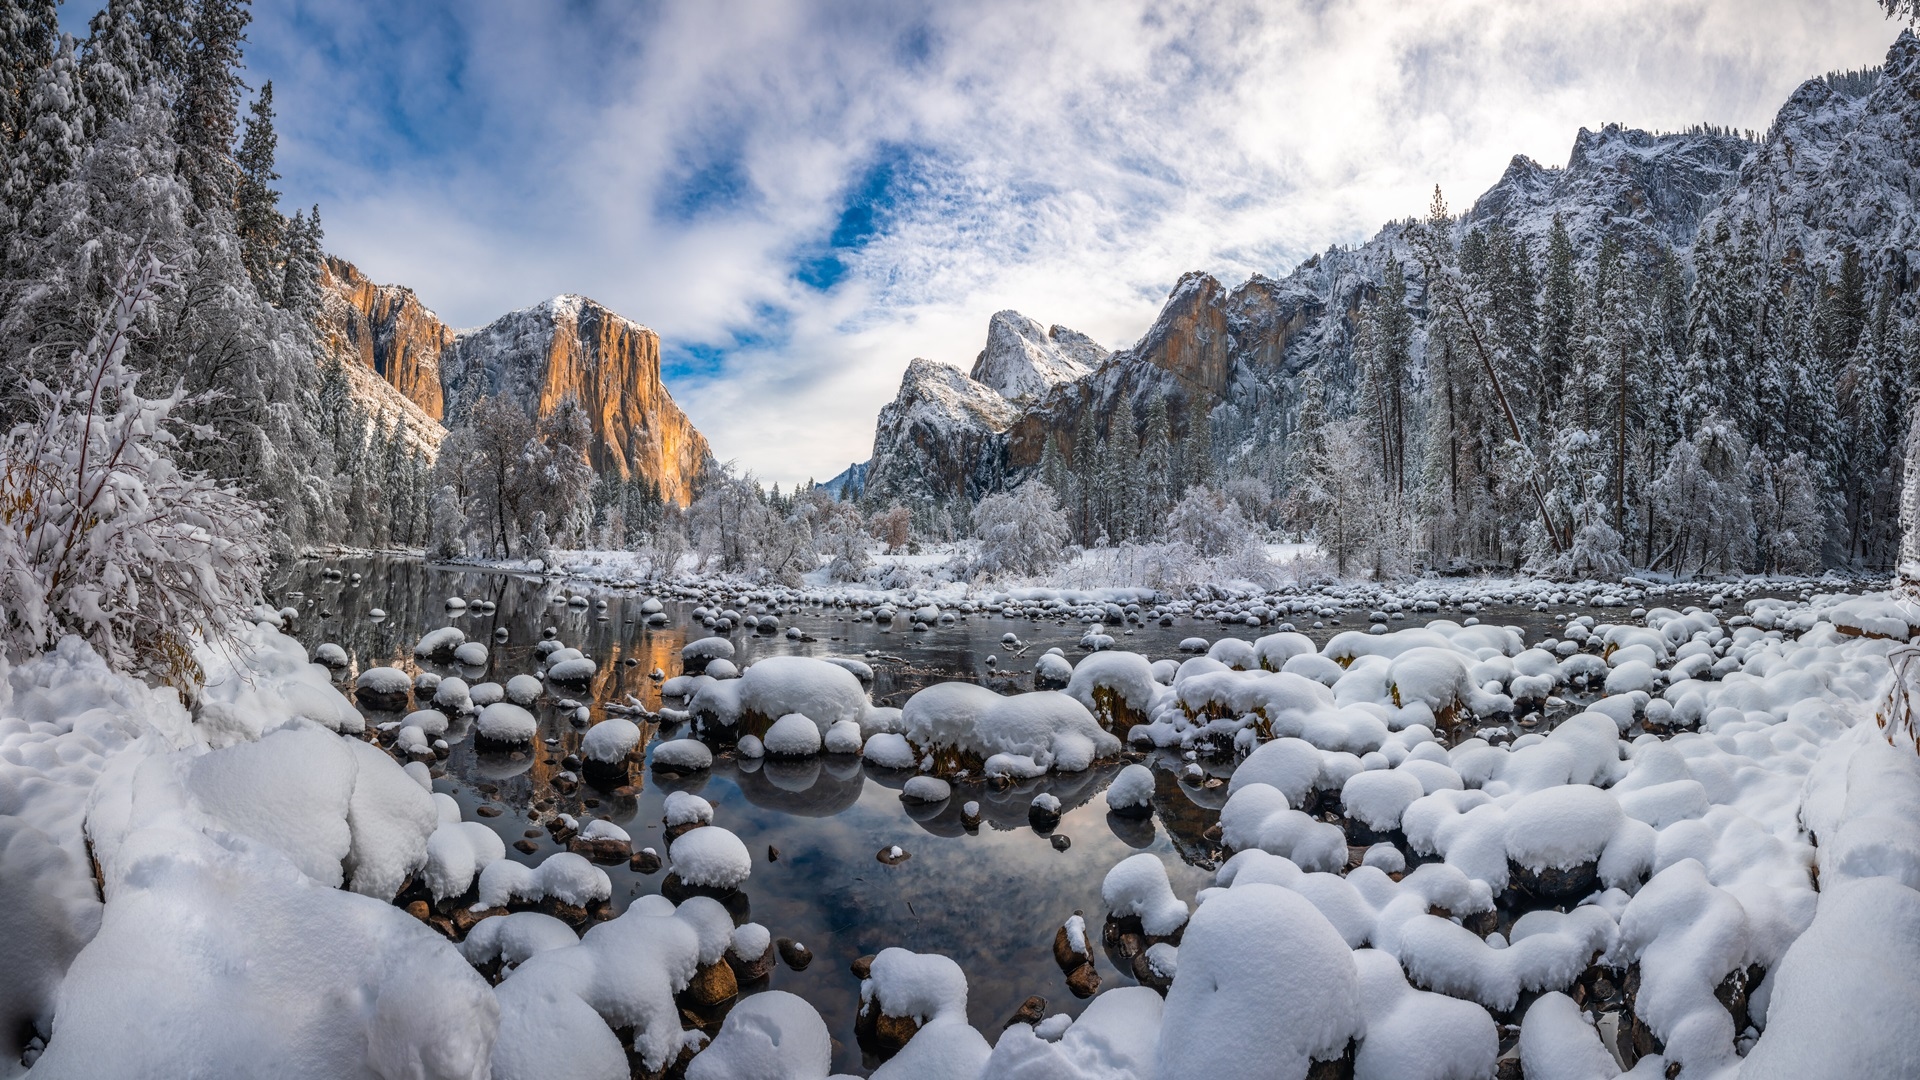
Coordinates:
<point>1024,360</point>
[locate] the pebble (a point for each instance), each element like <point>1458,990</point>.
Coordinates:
<point>489,810</point>
<point>798,956</point>
<point>1060,842</point>
<point>1032,1011</point>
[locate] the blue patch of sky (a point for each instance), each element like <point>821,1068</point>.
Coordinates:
<point>713,180</point>
<point>768,328</point>
<point>883,185</point>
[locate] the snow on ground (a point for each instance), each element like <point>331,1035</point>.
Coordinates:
<point>1733,844</point>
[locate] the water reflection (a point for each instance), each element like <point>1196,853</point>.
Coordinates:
<point>990,897</point>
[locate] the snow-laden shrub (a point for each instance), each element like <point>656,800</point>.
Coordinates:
<point>1020,532</point>
<point>101,533</point>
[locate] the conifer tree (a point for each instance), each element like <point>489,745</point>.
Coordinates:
<point>256,206</point>
<point>209,100</point>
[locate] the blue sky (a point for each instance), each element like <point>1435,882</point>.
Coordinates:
<point>800,197</point>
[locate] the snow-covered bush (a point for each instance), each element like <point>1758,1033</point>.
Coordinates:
<point>1020,532</point>
<point>102,534</point>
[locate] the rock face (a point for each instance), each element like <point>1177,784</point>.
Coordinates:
<point>1838,169</point>
<point>387,330</point>
<point>1022,360</point>
<point>402,359</point>
<point>572,345</point>
<point>942,434</point>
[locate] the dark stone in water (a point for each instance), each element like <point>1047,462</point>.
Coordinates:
<point>862,966</point>
<point>1031,1011</point>
<point>489,810</point>
<point>645,861</point>
<point>893,855</point>
<point>1061,842</point>
<point>797,956</point>
<point>1042,819</point>
<point>526,846</point>
<point>773,854</point>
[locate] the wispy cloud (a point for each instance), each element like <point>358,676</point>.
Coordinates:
<point>802,196</point>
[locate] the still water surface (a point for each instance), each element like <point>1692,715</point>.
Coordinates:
<point>991,899</point>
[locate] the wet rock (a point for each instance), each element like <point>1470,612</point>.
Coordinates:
<point>1044,813</point>
<point>970,815</point>
<point>1061,842</point>
<point>795,955</point>
<point>885,1034</point>
<point>487,810</point>
<point>419,910</point>
<point>645,861</point>
<point>1031,1011</point>
<point>713,984</point>
<point>525,846</point>
<point>560,830</point>
<point>607,851</point>
<point>1149,976</point>
<point>1083,981</point>
<point>755,970</point>
<point>1065,954</point>
<point>773,854</point>
<point>893,856</point>
<point>862,967</point>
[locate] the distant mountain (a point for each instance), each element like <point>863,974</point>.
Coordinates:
<point>850,484</point>
<point>536,356</point>
<point>1838,168</point>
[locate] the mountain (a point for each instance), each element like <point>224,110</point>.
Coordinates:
<point>943,434</point>
<point>404,360</point>
<point>1025,360</point>
<point>1237,355</point>
<point>386,329</point>
<point>1841,168</point>
<point>573,345</point>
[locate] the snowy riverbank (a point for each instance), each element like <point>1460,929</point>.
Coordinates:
<point>1714,865</point>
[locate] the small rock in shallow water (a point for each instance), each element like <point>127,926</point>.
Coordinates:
<point>773,853</point>
<point>527,846</point>
<point>793,954</point>
<point>862,966</point>
<point>893,856</point>
<point>1032,1011</point>
<point>488,810</point>
<point>645,861</point>
<point>1061,842</point>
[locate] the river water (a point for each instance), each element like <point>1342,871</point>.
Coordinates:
<point>989,898</point>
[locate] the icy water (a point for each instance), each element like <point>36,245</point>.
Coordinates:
<point>990,898</point>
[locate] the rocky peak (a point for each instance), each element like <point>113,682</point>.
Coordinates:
<point>1024,361</point>
<point>1649,189</point>
<point>572,345</point>
<point>941,436</point>
<point>384,329</point>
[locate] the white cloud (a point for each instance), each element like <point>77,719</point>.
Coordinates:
<point>1072,157</point>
